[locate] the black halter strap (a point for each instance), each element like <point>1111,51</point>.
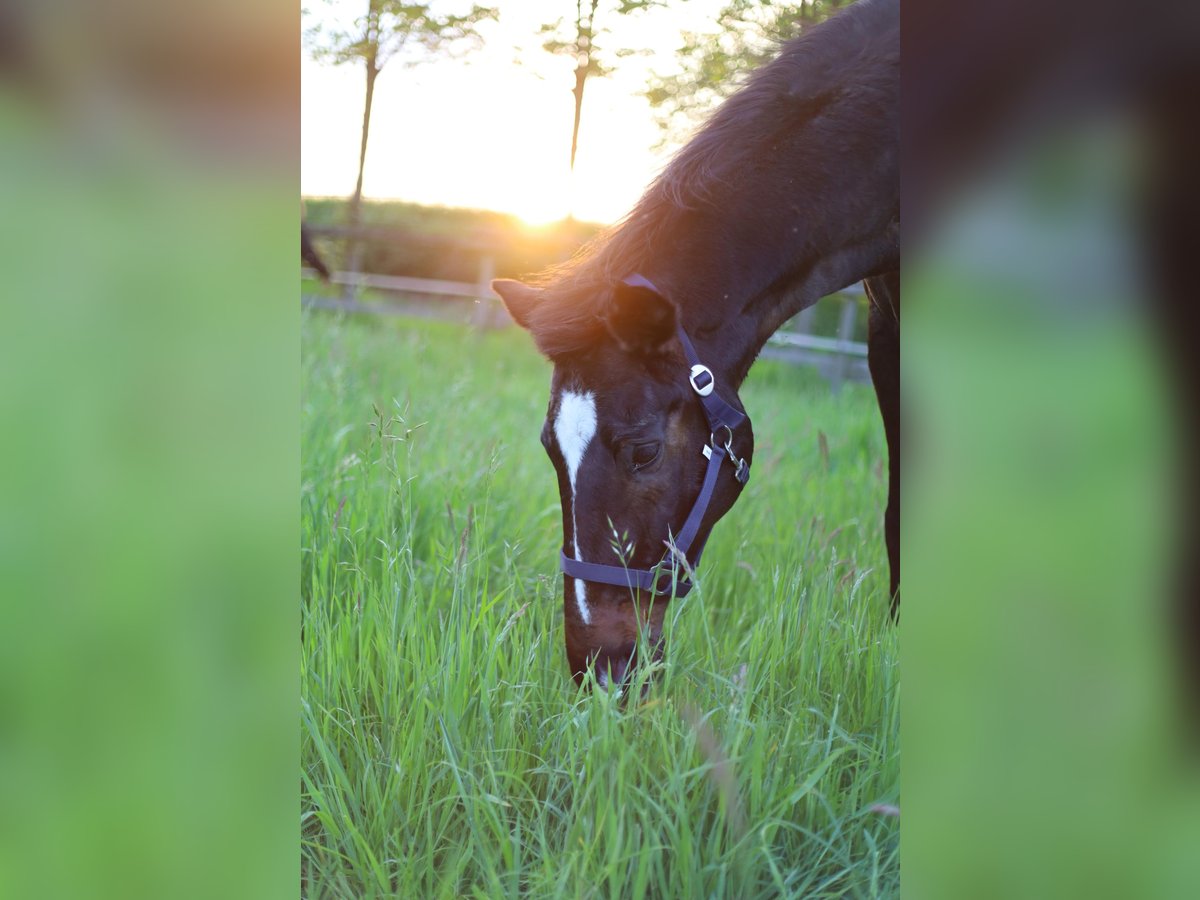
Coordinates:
<point>665,578</point>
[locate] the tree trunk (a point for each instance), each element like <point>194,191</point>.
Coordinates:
<point>353,244</point>
<point>584,30</point>
<point>580,77</point>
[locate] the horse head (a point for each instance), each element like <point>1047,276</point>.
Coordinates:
<point>651,448</point>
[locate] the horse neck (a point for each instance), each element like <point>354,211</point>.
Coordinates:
<point>732,296</point>
<point>789,193</point>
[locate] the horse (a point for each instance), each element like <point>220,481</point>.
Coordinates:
<point>788,193</point>
<point>309,254</point>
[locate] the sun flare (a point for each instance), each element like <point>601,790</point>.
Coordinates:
<point>535,201</point>
<point>491,135</point>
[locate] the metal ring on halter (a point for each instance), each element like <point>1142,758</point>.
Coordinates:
<point>665,581</point>
<point>712,436</point>
<point>664,574</point>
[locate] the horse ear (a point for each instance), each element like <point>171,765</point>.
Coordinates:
<point>640,318</point>
<point>519,299</point>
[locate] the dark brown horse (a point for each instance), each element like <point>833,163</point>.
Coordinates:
<point>789,193</point>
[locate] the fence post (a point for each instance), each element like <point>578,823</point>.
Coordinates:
<point>805,318</point>
<point>353,254</point>
<point>483,316</point>
<point>841,366</point>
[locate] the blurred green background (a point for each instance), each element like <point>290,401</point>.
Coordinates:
<point>149,345</point>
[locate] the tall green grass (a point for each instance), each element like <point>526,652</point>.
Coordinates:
<point>445,750</point>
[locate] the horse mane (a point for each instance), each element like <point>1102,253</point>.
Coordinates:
<point>809,73</point>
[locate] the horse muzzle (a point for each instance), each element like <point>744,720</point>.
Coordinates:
<point>614,669</point>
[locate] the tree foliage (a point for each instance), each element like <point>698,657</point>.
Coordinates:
<point>410,33</point>
<point>577,39</point>
<point>713,63</point>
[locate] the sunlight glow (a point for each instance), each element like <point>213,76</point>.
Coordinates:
<point>492,131</point>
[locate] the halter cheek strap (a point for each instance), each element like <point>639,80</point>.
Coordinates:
<point>666,578</point>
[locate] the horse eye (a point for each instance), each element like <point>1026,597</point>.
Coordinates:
<point>644,454</point>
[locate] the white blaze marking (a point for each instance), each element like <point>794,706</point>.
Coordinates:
<point>574,428</point>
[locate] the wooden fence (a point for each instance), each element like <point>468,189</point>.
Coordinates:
<point>838,358</point>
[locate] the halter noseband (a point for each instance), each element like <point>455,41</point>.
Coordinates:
<point>665,577</point>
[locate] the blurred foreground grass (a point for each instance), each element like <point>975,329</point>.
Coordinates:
<point>148,384</point>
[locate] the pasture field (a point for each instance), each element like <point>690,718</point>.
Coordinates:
<point>445,752</point>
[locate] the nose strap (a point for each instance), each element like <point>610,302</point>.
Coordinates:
<point>653,581</point>
<point>665,578</point>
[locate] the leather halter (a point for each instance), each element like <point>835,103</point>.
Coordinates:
<point>666,578</point>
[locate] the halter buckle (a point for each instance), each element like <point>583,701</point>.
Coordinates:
<point>705,375</point>
<point>741,471</point>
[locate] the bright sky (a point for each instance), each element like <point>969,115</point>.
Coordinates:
<point>488,132</point>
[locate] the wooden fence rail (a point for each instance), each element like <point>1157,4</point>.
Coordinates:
<point>838,359</point>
